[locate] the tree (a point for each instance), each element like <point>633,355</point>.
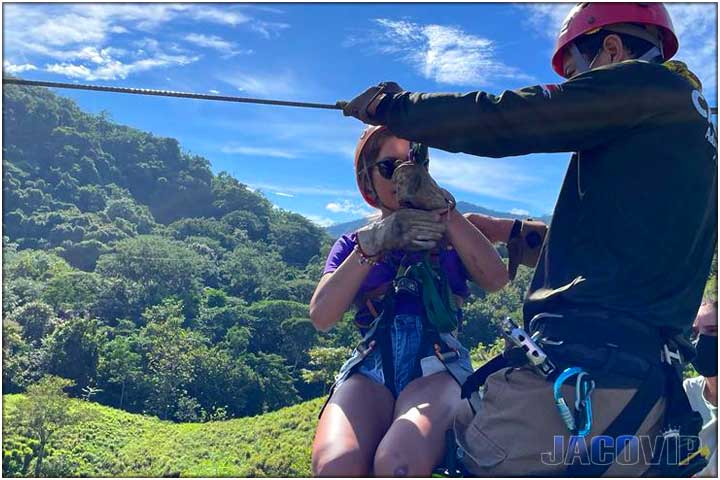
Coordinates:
<point>223,380</point>
<point>37,320</point>
<point>120,364</point>
<point>296,237</point>
<point>43,411</point>
<point>13,349</point>
<point>269,334</point>
<point>73,292</point>
<point>170,351</point>
<point>325,363</point>
<point>162,266</point>
<point>274,381</point>
<point>35,265</point>
<point>72,351</point>
<point>251,271</point>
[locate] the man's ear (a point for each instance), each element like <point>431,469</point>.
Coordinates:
<point>613,46</point>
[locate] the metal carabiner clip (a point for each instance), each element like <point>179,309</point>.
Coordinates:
<point>584,387</point>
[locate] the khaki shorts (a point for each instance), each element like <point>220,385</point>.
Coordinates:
<point>518,421</point>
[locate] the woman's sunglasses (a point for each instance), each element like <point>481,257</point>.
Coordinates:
<point>418,154</point>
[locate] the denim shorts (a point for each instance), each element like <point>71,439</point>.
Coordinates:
<point>406,334</point>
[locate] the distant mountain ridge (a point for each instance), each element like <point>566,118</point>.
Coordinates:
<point>463,207</point>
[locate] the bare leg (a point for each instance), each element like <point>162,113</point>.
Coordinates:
<point>356,418</point>
<point>415,442</point>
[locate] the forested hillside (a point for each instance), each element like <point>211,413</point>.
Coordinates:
<point>130,267</point>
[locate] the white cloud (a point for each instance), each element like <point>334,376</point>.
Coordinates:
<point>268,29</point>
<point>266,85</point>
<point>13,69</point>
<point>483,176</point>
<point>519,211</point>
<point>441,53</point>
<point>546,18</point>
<point>695,25</point>
<point>281,194</point>
<point>214,92</point>
<point>74,71</point>
<point>112,69</point>
<point>257,151</point>
<point>74,38</point>
<point>294,189</point>
<point>218,15</point>
<point>229,49</point>
<point>346,206</point>
<point>319,220</point>
<point>209,41</point>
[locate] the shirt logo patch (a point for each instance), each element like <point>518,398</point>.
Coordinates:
<point>550,89</point>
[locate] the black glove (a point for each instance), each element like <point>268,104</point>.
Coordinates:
<point>364,106</point>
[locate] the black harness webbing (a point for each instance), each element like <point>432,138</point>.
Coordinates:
<point>628,422</point>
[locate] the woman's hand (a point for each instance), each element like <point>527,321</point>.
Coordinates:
<point>404,229</point>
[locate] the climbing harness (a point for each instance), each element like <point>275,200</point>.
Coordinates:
<point>572,341</point>
<point>419,280</point>
<point>197,96</point>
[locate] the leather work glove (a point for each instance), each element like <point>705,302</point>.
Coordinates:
<point>415,188</point>
<point>404,229</point>
<point>526,240</point>
<point>364,106</point>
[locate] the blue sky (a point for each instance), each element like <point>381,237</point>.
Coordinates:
<point>301,159</point>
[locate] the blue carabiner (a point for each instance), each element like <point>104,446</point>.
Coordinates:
<point>583,403</point>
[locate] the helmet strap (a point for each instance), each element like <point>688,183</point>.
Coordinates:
<point>581,63</point>
<point>651,54</point>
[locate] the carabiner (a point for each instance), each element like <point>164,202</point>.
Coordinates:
<point>584,387</point>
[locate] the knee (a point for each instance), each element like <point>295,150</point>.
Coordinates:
<point>336,464</point>
<point>394,462</point>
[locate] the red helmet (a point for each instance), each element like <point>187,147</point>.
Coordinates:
<point>365,137</point>
<point>588,17</point>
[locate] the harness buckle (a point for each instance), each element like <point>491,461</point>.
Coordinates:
<point>365,349</point>
<point>667,355</point>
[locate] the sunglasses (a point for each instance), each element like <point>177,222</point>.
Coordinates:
<point>418,154</point>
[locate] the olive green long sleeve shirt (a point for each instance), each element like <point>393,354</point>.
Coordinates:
<point>635,225</point>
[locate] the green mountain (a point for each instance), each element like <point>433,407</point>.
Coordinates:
<point>113,443</point>
<point>130,267</point>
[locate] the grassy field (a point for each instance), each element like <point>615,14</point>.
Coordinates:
<point>114,443</point>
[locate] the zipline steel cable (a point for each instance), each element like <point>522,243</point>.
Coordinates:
<point>169,93</point>
<point>198,96</point>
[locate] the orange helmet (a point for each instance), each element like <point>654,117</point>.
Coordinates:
<point>586,18</point>
<point>365,137</point>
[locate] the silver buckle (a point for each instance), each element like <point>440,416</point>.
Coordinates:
<point>667,355</point>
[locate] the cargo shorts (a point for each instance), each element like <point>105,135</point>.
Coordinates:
<point>517,430</point>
